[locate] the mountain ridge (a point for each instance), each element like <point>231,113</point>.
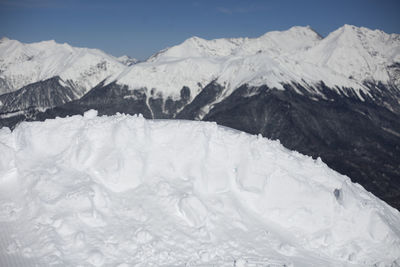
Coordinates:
<point>198,60</point>
<point>22,64</point>
<point>257,61</point>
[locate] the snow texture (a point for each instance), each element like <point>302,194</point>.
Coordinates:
<point>124,191</point>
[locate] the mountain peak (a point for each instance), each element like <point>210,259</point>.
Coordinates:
<point>25,63</point>
<point>360,31</point>
<point>48,42</point>
<point>349,27</point>
<point>127,60</point>
<point>194,39</point>
<point>364,38</point>
<point>295,31</point>
<point>4,39</point>
<point>295,38</point>
<point>306,30</point>
<point>303,29</point>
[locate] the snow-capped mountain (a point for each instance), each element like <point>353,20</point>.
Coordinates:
<point>22,64</point>
<point>346,58</point>
<point>127,60</point>
<point>231,62</point>
<point>336,97</point>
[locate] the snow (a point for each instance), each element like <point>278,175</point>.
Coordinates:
<point>361,53</point>
<point>22,64</point>
<point>347,57</point>
<point>124,191</point>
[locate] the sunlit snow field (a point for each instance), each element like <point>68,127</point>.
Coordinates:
<point>125,191</point>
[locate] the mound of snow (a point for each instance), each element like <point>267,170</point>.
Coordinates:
<point>123,190</point>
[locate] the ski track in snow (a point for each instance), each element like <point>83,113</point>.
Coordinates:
<point>125,191</point>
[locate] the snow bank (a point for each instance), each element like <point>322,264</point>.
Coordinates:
<point>123,190</point>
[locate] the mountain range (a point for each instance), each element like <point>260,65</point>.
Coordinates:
<point>335,97</point>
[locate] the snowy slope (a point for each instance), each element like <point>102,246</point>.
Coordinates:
<point>22,64</point>
<point>355,54</point>
<point>123,191</point>
<point>345,58</point>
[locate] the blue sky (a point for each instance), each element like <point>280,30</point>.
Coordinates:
<point>141,28</point>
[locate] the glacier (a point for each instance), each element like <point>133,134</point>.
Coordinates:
<point>122,190</point>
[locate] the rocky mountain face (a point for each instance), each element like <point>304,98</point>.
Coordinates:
<point>336,97</point>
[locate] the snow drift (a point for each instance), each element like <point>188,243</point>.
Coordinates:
<point>123,190</point>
